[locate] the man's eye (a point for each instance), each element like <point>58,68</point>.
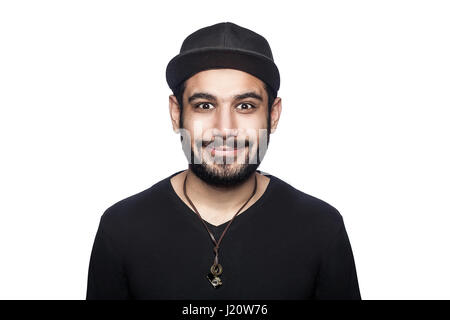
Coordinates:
<point>246,106</point>
<point>200,105</point>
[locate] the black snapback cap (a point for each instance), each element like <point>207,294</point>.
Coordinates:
<point>224,45</point>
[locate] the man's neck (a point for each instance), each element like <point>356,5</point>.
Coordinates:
<point>218,204</point>
<point>210,196</point>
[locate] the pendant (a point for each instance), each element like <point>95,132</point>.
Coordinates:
<point>213,275</point>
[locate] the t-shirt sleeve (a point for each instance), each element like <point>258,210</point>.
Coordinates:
<point>337,278</point>
<point>106,275</point>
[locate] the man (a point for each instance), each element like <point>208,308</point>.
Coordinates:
<point>222,229</point>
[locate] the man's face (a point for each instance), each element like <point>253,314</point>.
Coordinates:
<point>225,116</point>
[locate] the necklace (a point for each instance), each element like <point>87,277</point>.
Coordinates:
<point>216,268</point>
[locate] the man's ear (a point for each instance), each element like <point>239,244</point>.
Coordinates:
<point>275,114</point>
<point>175,113</point>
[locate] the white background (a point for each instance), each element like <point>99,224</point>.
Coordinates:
<point>84,123</point>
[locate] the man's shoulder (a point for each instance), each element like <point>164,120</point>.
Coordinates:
<point>308,208</point>
<point>128,209</point>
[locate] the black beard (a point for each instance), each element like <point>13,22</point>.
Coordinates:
<point>201,171</point>
<point>244,173</point>
<point>227,180</point>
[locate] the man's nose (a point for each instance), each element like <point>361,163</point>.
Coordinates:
<point>225,122</point>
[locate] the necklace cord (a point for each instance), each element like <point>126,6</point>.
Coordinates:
<point>217,243</point>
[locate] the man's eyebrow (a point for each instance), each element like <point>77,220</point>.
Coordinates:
<point>201,95</point>
<point>246,95</point>
<point>208,96</point>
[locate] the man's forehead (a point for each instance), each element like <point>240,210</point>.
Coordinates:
<point>224,83</point>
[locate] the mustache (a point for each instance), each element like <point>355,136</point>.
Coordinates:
<point>231,143</point>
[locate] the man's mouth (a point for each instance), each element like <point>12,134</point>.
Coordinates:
<point>224,150</point>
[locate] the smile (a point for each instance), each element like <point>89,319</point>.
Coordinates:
<point>224,151</point>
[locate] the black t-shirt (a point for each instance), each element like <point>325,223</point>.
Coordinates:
<point>287,245</point>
